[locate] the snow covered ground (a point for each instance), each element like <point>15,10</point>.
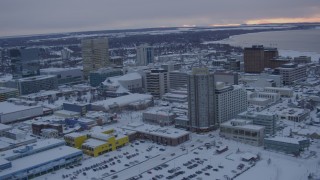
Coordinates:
<point>192,158</point>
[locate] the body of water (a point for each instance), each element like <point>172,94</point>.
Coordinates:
<point>292,42</point>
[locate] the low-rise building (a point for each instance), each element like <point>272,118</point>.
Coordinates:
<point>130,102</point>
<point>75,139</point>
<point>65,75</point>
<point>302,59</point>
<point>286,144</point>
<point>98,76</point>
<point>266,119</point>
<point>284,92</point>
<point>37,159</point>
<point>163,117</point>
<point>81,108</point>
<point>98,141</point>
<point>10,112</point>
<point>6,93</point>
<point>293,114</point>
<point>242,131</point>
<point>38,127</point>
<point>35,84</point>
<point>263,98</point>
<point>122,85</point>
<point>167,136</point>
<point>174,97</point>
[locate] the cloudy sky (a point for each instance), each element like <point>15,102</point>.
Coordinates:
<point>22,17</point>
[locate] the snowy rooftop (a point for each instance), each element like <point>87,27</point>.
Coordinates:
<point>74,135</point>
<point>123,100</point>
<point>259,99</point>
<point>6,107</point>
<point>159,111</point>
<point>41,93</point>
<point>38,145</point>
<point>51,70</point>
<point>114,81</point>
<point>171,95</point>
<point>34,78</point>
<point>94,143</point>
<point>283,109</point>
<point>242,124</point>
<point>4,127</point>
<point>39,159</point>
<point>279,88</point>
<point>66,112</point>
<point>286,139</point>
<point>156,130</point>
<point>6,142</point>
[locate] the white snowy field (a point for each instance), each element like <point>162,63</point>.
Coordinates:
<point>280,166</point>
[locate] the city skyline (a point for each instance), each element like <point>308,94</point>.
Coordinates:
<point>41,17</point>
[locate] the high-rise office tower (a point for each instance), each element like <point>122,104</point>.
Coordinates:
<point>25,62</point>
<point>95,54</point>
<point>157,82</point>
<point>201,100</point>
<point>230,101</point>
<point>257,57</point>
<point>253,59</point>
<point>145,55</point>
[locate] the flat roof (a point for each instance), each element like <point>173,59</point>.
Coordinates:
<point>74,135</point>
<point>40,158</point>
<point>33,78</point>
<point>244,126</point>
<point>37,145</point>
<point>94,143</point>
<point>124,100</point>
<point>156,130</point>
<point>4,127</point>
<point>47,70</point>
<point>259,99</point>
<point>286,139</point>
<point>6,107</point>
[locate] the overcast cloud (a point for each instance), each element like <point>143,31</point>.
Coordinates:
<point>19,17</point>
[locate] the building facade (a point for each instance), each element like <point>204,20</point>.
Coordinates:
<point>157,82</point>
<point>145,55</point>
<point>100,75</point>
<point>65,75</point>
<point>95,54</point>
<point>6,93</point>
<point>286,144</point>
<point>242,131</point>
<point>266,119</point>
<point>230,101</point>
<point>178,79</point>
<point>35,84</point>
<point>257,57</point>
<point>201,100</point>
<point>292,72</point>
<point>25,62</point>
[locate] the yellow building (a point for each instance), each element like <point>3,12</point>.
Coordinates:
<point>75,139</point>
<point>98,142</point>
<point>121,140</point>
<point>107,131</point>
